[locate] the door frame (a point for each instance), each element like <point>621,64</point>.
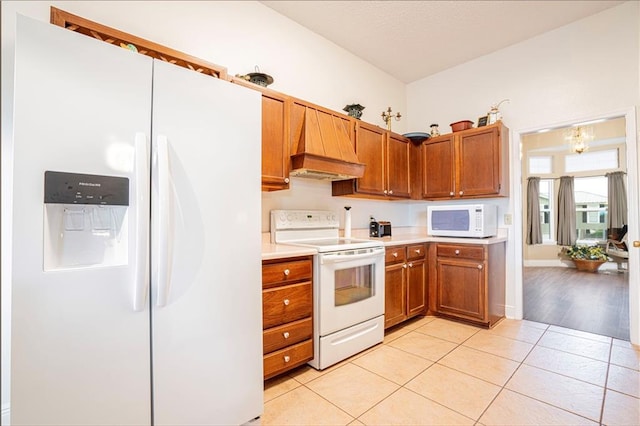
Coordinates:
<point>633,203</point>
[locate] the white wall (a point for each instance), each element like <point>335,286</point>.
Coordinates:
<point>584,69</point>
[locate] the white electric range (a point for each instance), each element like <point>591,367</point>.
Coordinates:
<point>348,283</point>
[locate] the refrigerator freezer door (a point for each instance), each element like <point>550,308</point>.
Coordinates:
<point>80,353</point>
<point>207,322</point>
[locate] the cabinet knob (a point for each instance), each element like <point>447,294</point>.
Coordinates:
<point>404,266</point>
<point>418,251</point>
<point>410,265</point>
<point>461,192</point>
<point>286,302</point>
<point>457,252</point>
<point>451,193</point>
<point>479,266</point>
<point>395,254</point>
<point>385,191</point>
<point>285,334</point>
<point>286,180</point>
<point>287,358</point>
<point>390,191</point>
<point>287,272</point>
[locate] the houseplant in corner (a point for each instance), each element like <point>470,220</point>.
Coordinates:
<point>587,258</point>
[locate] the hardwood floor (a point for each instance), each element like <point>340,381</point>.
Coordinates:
<point>593,302</point>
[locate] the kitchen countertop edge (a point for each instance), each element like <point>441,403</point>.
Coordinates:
<point>400,236</point>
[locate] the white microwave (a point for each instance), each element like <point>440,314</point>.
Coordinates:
<point>470,220</point>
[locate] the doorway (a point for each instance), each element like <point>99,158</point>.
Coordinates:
<point>630,160</point>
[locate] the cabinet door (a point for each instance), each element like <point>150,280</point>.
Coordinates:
<point>461,288</point>
<point>370,149</point>
<point>438,167</point>
<point>478,171</point>
<point>416,285</point>
<point>275,146</point>
<point>395,297</point>
<point>398,166</point>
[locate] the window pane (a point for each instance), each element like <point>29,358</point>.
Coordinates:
<point>591,208</point>
<point>540,165</point>
<point>546,192</point>
<point>598,160</point>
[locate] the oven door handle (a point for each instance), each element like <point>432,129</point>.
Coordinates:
<point>337,258</point>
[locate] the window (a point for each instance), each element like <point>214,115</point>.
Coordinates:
<point>546,200</point>
<point>588,161</point>
<point>540,165</point>
<point>591,208</point>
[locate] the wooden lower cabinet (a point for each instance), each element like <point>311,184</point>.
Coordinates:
<point>405,283</point>
<point>287,314</point>
<point>467,282</point>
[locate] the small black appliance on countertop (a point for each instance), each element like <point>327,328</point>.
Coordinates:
<point>379,228</point>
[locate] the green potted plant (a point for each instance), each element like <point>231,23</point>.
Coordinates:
<point>587,258</point>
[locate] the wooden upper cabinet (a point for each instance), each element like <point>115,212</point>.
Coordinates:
<point>468,164</point>
<point>479,170</point>
<point>438,162</point>
<point>398,166</point>
<point>275,146</point>
<point>370,148</point>
<point>388,166</point>
<point>276,162</point>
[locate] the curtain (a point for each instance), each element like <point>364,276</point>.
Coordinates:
<point>617,200</point>
<point>534,233</point>
<point>566,231</point>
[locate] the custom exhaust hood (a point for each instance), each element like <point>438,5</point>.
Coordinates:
<point>322,145</point>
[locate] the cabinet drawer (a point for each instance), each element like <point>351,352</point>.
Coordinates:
<point>461,251</point>
<point>287,334</point>
<point>416,251</point>
<point>394,254</point>
<point>283,272</point>
<point>285,304</point>
<point>287,358</point>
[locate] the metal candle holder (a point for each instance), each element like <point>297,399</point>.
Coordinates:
<point>387,116</point>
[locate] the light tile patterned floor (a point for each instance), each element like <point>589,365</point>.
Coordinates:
<point>433,371</point>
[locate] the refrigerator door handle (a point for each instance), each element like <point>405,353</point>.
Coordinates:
<point>162,237</point>
<point>141,279</point>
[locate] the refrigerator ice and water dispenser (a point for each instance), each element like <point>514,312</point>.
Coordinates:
<point>85,220</point>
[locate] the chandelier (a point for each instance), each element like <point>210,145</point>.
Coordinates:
<point>578,138</point>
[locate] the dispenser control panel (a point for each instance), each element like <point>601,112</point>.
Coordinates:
<point>76,188</point>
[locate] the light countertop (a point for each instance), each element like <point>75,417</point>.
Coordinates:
<point>400,236</point>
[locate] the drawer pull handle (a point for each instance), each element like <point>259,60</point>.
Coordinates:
<point>287,272</point>
<point>418,251</point>
<point>395,254</point>
<point>479,266</point>
<point>457,252</point>
<point>286,334</point>
<point>287,358</point>
<point>286,302</point>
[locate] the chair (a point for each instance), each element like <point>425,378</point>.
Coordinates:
<point>617,248</point>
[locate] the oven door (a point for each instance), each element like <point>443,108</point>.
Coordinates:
<point>350,286</point>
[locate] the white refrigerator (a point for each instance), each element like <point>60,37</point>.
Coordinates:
<point>136,287</point>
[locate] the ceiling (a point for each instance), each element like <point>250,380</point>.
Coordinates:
<point>411,40</point>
